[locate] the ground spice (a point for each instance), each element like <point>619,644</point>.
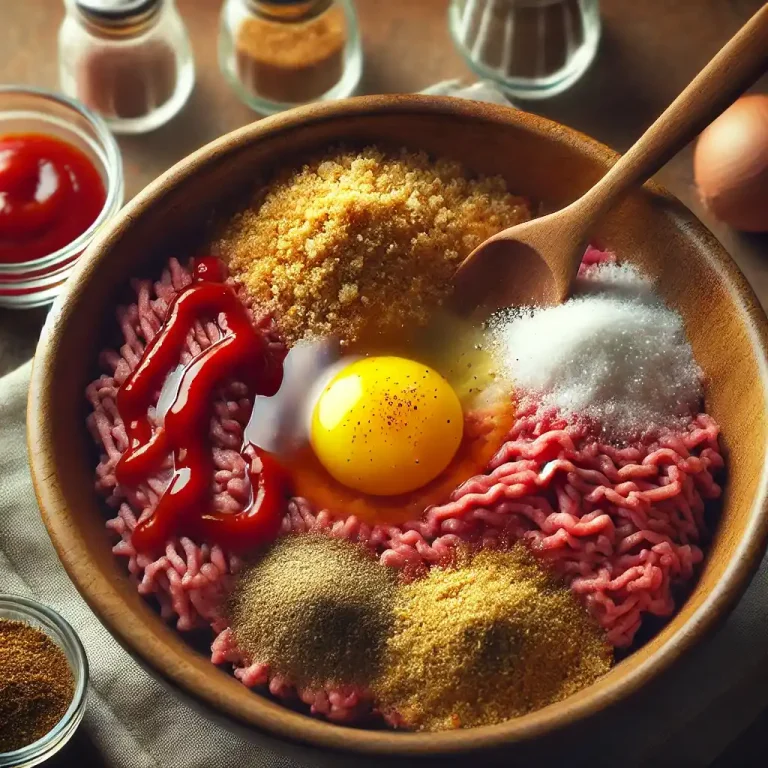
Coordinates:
<point>353,238</point>
<point>36,684</point>
<point>127,84</point>
<point>289,60</point>
<point>121,61</point>
<point>317,609</point>
<point>487,639</point>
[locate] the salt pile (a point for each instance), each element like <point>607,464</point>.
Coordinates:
<point>613,354</point>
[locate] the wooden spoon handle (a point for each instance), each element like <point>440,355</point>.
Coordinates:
<point>738,64</point>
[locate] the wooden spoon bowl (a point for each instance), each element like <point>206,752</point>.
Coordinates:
<point>548,163</point>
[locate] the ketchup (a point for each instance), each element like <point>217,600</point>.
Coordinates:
<point>50,193</point>
<point>185,507</point>
<point>209,268</point>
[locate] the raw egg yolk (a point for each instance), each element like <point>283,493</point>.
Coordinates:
<point>386,425</point>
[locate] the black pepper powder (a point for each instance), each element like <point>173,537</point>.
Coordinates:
<point>316,609</point>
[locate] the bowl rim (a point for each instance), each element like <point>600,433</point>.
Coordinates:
<point>298,728</point>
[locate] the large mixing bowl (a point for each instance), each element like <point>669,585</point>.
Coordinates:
<point>541,160</point>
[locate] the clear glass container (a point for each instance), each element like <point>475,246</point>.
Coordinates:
<point>533,49</point>
<point>36,614</point>
<point>277,54</point>
<point>31,110</point>
<point>128,60</point>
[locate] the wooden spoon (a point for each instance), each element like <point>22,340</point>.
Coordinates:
<point>537,262</point>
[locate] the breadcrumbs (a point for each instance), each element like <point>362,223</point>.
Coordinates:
<point>359,238</point>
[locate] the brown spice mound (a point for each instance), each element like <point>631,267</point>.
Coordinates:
<point>36,684</point>
<point>354,238</point>
<point>295,61</point>
<point>486,640</point>
<point>317,609</point>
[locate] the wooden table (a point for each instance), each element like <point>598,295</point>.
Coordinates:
<point>649,51</point>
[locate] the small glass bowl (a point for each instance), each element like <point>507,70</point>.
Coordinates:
<point>32,110</point>
<point>39,616</point>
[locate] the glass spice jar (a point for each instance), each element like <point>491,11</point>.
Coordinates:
<point>277,54</point>
<point>128,60</point>
<point>532,49</point>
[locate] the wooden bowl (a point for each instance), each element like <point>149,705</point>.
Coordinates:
<point>541,160</point>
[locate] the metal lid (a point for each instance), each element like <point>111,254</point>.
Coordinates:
<point>117,11</point>
<point>289,10</point>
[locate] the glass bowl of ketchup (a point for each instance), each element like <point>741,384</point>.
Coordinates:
<point>61,178</point>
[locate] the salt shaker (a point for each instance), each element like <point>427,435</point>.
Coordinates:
<point>280,53</point>
<point>533,49</point>
<point>128,60</point>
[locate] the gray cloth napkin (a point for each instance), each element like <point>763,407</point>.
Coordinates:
<point>136,722</point>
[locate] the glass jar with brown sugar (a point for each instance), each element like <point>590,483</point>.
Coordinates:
<point>277,54</point>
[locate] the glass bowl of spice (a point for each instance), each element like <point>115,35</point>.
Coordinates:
<point>61,179</point>
<point>43,679</point>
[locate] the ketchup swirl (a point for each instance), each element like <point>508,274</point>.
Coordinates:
<point>241,353</point>
<point>50,193</point>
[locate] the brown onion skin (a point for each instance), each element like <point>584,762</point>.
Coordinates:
<point>730,165</point>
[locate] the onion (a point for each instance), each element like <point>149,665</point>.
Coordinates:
<point>730,165</point>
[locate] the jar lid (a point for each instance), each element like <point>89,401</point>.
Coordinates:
<point>289,9</point>
<point>112,11</point>
<point>285,2</point>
